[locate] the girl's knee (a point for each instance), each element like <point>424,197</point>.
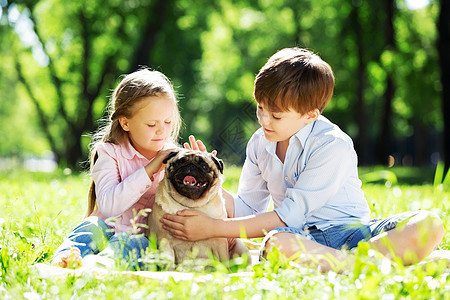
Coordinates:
<point>139,241</point>
<point>93,224</point>
<point>130,241</point>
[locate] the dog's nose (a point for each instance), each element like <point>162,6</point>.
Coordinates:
<point>190,168</point>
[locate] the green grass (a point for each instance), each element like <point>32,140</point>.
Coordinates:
<point>39,210</point>
<point>405,175</point>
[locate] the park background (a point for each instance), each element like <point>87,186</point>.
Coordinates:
<point>60,61</point>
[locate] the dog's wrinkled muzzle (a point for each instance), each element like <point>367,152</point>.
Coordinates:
<point>190,180</point>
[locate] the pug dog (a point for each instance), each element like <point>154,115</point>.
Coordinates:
<point>192,181</point>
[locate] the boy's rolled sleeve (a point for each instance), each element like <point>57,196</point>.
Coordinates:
<point>286,215</point>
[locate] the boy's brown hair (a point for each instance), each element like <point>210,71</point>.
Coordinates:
<point>294,78</point>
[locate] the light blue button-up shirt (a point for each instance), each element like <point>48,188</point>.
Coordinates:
<point>317,185</point>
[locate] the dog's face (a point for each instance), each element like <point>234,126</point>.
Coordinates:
<point>192,173</point>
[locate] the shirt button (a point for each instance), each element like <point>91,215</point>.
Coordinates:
<point>285,178</point>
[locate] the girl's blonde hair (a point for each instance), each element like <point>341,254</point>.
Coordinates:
<point>129,92</point>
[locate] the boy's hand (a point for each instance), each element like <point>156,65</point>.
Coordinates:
<point>197,145</point>
<point>189,225</point>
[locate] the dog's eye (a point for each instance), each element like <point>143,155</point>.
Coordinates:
<point>204,166</point>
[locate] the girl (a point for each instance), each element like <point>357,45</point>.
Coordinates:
<point>126,166</point>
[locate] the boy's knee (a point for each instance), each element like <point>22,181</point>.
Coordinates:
<point>275,241</point>
<point>427,233</point>
<point>430,225</point>
<point>427,221</point>
<point>286,242</point>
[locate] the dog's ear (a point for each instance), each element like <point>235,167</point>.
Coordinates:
<point>218,162</point>
<point>171,154</point>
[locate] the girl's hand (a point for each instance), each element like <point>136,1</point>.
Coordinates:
<point>197,145</point>
<point>189,225</point>
<point>156,165</point>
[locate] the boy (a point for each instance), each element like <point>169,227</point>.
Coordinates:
<point>308,166</point>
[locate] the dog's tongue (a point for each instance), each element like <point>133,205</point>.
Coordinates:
<point>189,180</point>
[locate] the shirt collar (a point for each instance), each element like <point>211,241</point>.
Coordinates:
<point>128,151</point>
<point>303,134</point>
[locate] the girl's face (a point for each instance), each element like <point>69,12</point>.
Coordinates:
<point>150,126</point>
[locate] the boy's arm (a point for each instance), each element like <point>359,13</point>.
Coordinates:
<point>253,196</point>
<point>192,225</point>
<point>229,202</point>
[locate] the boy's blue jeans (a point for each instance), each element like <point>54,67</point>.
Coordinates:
<point>345,235</point>
<point>94,236</point>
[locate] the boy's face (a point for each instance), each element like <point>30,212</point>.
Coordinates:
<point>280,126</point>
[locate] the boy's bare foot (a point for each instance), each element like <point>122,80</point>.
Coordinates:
<point>71,259</point>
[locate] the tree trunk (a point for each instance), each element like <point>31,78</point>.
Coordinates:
<point>383,143</point>
<point>155,22</point>
<point>443,46</point>
<point>420,142</point>
<point>384,140</point>
<point>361,118</point>
<point>74,153</point>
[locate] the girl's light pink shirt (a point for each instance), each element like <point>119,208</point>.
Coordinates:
<point>122,186</point>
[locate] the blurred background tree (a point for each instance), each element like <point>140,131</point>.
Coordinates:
<point>61,59</point>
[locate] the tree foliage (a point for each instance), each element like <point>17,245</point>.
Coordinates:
<point>61,59</point>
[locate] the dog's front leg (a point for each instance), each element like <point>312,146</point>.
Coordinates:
<point>222,250</point>
<point>166,249</point>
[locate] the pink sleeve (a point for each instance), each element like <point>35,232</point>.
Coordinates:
<point>114,195</point>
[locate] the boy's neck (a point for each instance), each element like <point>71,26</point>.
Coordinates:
<point>282,149</point>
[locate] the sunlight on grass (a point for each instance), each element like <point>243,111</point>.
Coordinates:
<point>39,210</point>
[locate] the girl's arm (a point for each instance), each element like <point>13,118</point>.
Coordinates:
<point>157,165</point>
<point>192,225</point>
<point>114,194</point>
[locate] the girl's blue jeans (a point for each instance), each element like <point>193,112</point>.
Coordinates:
<point>94,236</point>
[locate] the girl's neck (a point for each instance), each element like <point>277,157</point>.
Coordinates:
<point>148,155</point>
<point>145,153</point>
